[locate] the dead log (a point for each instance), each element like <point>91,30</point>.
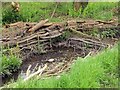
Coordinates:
<point>37,26</point>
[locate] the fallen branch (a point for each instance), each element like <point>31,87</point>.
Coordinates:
<point>28,71</point>
<point>36,66</point>
<point>37,72</point>
<point>105,22</point>
<point>47,24</point>
<point>87,55</point>
<point>34,23</point>
<point>53,36</point>
<point>13,24</point>
<point>86,41</point>
<point>37,26</point>
<point>82,34</point>
<point>99,43</point>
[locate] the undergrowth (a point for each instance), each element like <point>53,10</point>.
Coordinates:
<point>90,72</point>
<point>35,11</point>
<point>10,62</point>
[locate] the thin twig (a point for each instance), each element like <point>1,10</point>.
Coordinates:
<point>54,11</point>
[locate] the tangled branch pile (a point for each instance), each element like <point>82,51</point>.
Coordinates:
<point>27,34</point>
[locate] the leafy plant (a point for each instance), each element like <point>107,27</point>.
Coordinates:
<point>9,64</point>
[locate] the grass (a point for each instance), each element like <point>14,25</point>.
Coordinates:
<point>35,11</point>
<point>100,10</point>
<point>91,72</point>
<point>9,63</point>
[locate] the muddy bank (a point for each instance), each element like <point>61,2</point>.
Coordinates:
<point>62,53</point>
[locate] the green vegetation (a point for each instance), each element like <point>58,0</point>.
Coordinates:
<point>108,33</point>
<point>9,64</point>
<point>100,10</point>
<point>89,72</point>
<point>10,61</point>
<point>10,16</point>
<point>35,11</point>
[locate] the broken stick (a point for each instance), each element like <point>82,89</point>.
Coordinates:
<point>28,70</point>
<point>37,72</point>
<point>37,26</point>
